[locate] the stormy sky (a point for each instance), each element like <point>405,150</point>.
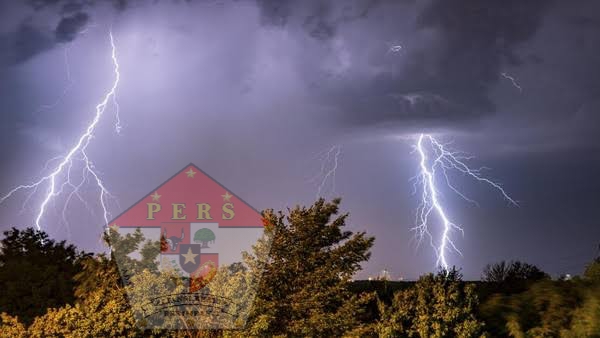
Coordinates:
<point>253,92</point>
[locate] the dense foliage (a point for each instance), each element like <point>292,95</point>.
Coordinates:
<point>36,273</point>
<point>439,305</point>
<point>304,290</point>
<point>302,268</point>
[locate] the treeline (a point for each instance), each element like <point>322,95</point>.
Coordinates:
<point>303,267</point>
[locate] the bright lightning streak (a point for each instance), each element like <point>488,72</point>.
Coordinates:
<point>78,152</point>
<point>329,165</point>
<point>436,161</point>
<point>513,80</point>
<point>394,47</point>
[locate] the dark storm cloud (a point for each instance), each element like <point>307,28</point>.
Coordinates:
<point>564,112</point>
<point>491,29</point>
<point>274,12</point>
<point>41,4</point>
<point>24,43</point>
<point>70,26</point>
<point>31,38</point>
<point>70,6</point>
<point>300,61</point>
<point>317,18</point>
<point>28,40</point>
<point>448,80</point>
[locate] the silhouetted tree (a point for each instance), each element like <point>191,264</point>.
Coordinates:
<point>543,310</point>
<point>36,273</point>
<point>547,308</point>
<point>592,271</point>
<point>101,308</point>
<point>513,271</point>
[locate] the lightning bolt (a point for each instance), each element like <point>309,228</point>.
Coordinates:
<point>330,160</point>
<point>436,160</point>
<point>513,80</point>
<point>60,177</point>
<point>394,47</point>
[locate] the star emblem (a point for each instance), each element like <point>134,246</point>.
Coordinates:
<point>190,173</point>
<point>226,197</point>
<point>190,257</point>
<point>155,196</point>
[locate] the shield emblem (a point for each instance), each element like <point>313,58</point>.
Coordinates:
<point>189,257</point>
<point>199,224</point>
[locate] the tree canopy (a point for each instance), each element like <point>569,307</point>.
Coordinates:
<point>513,271</point>
<point>439,305</point>
<point>304,287</point>
<point>36,273</point>
<point>296,281</point>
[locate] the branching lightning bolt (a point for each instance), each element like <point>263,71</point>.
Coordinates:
<point>436,160</point>
<point>330,160</point>
<point>513,80</point>
<point>60,177</point>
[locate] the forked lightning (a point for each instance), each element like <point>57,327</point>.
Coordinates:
<point>436,160</point>
<point>60,179</point>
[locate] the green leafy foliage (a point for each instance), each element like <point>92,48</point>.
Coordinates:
<point>304,288</point>
<point>546,309</point>
<point>295,282</point>
<point>585,319</point>
<point>98,305</point>
<point>103,313</point>
<point>439,305</point>
<point>11,327</point>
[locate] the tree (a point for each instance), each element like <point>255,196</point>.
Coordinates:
<point>304,287</point>
<point>511,272</point>
<point>547,308</point>
<point>543,310</point>
<point>204,236</point>
<point>36,273</point>
<point>102,307</point>
<point>586,318</point>
<point>102,313</point>
<point>510,278</point>
<point>439,305</point>
<point>592,271</point>
<point>11,327</point>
